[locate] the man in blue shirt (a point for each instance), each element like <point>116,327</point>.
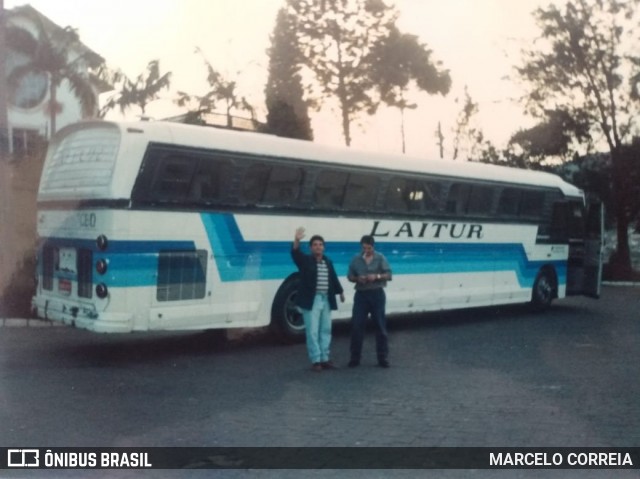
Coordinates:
<point>370,271</point>
<point>316,297</point>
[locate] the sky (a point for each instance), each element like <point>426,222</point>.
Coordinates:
<point>476,40</point>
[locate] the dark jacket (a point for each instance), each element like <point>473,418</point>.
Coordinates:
<point>308,267</point>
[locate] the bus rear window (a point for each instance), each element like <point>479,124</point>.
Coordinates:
<point>84,159</point>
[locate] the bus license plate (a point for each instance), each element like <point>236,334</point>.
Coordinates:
<point>67,260</point>
<point>64,286</point>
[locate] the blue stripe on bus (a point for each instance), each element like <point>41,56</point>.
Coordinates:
<point>131,263</point>
<point>135,263</point>
<point>239,260</point>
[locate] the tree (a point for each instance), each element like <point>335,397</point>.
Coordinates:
<point>399,61</point>
<point>593,173</point>
<point>336,37</point>
<point>579,65</point>
<point>288,112</point>
<point>465,134</point>
<point>552,137</point>
<point>52,52</point>
<point>141,91</point>
<point>222,89</point>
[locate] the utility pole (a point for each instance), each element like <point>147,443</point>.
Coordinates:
<point>440,138</point>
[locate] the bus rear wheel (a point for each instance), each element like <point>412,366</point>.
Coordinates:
<point>287,324</point>
<point>543,290</point>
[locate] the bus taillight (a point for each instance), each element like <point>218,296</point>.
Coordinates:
<point>102,242</point>
<point>102,291</point>
<point>101,266</point>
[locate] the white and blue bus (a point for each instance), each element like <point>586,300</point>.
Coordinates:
<point>163,226</point>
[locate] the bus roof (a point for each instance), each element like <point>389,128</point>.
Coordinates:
<point>271,146</point>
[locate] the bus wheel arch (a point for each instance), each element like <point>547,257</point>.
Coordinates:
<point>545,288</point>
<point>287,324</point>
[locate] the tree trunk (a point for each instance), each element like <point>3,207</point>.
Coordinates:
<point>52,107</point>
<point>621,260</point>
<point>5,197</point>
<point>344,108</point>
<point>4,107</point>
<point>402,129</point>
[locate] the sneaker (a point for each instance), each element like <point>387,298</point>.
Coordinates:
<point>354,363</point>
<point>317,367</point>
<point>328,365</point>
<point>383,363</point>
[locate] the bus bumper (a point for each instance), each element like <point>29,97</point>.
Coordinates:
<point>81,316</point>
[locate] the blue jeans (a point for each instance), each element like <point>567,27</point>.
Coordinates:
<point>367,302</point>
<point>317,322</point>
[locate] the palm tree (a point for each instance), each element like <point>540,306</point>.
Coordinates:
<point>141,91</point>
<point>222,90</point>
<point>52,53</point>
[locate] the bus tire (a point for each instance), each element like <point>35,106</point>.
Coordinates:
<point>543,291</point>
<point>287,324</point>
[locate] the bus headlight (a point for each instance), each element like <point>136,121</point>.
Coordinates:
<point>102,242</point>
<point>102,291</point>
<point>101,266</point>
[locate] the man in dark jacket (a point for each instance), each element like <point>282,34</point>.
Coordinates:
<point>316,297</point>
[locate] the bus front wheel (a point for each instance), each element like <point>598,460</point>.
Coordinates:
<point>287,324</point>
<point>543,290</point>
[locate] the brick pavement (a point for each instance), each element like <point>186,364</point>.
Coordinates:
<point>487,377</point>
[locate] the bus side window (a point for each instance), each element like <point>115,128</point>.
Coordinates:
<point>405,195</point>
<point>416,196</point>
<point>431,195</point>
<point>173,178</point>
<point>211,178</point>
<point>398,195</point>
<point>254,183</point>
<point>284,185</point>
<point>532,204</point>
<point>361,192</point>
<point>509,202</point>
<point>457,198</point>
<point>480,200</point>
<point>329,189</point>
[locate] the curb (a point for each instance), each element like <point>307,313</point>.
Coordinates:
<point>28,323</point>
<point>621,283</point>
